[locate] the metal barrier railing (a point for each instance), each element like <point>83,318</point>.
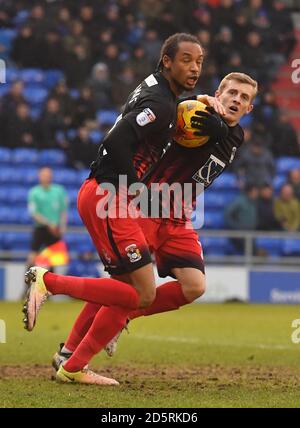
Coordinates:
<point>248,258</point>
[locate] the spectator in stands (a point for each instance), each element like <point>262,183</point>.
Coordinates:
<point>51,121</point>
<point>152,44</point>
<point>20,128</point>
<point>47,204</point>
<point>38,20</point>
<point>285,140</point>
<point>81,150</point>
<point>138,62</point>
<point>14,97</point>
<point>85,109</point>
<point>241,214</point>
<point>24,49</point>
<point>77,38</point>
<point>255,164</point>
<point>51,51</point>
<point>101,86</point>
<point>287,209</point>
<point>265,209</point>
<point>61,93</point>
<point>76,66</point>
<point>125,82</point>
<point>294,181</point>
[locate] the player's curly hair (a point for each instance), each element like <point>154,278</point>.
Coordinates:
<point>170,46</point>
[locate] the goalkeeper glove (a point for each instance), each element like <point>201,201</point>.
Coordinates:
<point>210,124</point>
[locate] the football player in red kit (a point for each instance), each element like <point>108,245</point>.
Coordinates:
<point>133,146</point>
<point>176,245</point>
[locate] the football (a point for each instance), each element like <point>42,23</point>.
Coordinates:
<point>184,133</point>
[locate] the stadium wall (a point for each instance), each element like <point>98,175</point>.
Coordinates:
<point>224,283</point>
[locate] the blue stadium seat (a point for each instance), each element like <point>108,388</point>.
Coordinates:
<point>75,240</point>
<point>5,155</point>
<point>72,195</point>
<point>285,164</point>
<point>83,269</point>
<point>21,17</point>
<point>52,157</point>
<point>278,182</point>
<point>17,195</point>
<point>74,218</point>
<point>4,191</point>
<point>35,95</point>
<point>8,215</point>
<point>10,175</point>
<point>25,156</point>
<point>218,199</point>
<point>217,246</point>
<point>52,77</point>
<point>213,219</point>
<point>65,176</point>
<point>12,74</point>
<point>71,133</point>
<point>32,75</point>
<point>96,136</point>
<point>273,246</point>
<point>107,117</point>
<point>17,241</point>
<point>291,247</point>
<point>29,176</point>
<point>4,89</point>
<point>226,181</point>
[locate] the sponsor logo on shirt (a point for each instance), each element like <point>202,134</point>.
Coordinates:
<point>145,117</point>
<point>209,171</point>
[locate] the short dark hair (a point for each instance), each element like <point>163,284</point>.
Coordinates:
<point>170,46</point>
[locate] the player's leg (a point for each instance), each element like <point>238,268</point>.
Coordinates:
<point>179,256</point>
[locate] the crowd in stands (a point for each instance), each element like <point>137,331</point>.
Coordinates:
<point>105,48</point>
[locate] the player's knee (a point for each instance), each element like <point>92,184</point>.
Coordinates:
<point>147,298</point>
<point>194,289</point>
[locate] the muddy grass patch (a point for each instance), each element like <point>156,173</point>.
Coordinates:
<point>202,376</point>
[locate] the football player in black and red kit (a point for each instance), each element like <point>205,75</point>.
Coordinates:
<point>175,244</point>
<point>132,147</point>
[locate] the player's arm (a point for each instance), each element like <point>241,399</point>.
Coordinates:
<point>120,144</point>
<point>207,100</point>
<point>212,102</point>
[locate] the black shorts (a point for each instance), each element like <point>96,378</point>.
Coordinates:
<point>42,238</point>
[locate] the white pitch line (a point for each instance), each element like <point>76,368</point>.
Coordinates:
<point>203,343</point>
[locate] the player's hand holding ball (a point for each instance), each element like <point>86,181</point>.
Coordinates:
<point>209,123</point>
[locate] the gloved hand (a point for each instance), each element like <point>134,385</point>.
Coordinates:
<point>209,123</point>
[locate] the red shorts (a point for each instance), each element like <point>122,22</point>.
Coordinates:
<point>174,245</point>
<point>120,242</point>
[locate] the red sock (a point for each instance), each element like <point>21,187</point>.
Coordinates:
<point>169,297</point>
<point>82,325</point>
<point>104,291</point>
<point>107,323</point>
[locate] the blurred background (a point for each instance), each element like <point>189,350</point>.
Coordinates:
<point>69,67</point>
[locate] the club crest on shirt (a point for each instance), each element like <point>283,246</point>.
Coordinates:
<point>133,253</point>
<point>146,116</point>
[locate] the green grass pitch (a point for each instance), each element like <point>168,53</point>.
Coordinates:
<point>206,355</point>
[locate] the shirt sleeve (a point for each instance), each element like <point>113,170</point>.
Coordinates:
<point>149,117</point>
